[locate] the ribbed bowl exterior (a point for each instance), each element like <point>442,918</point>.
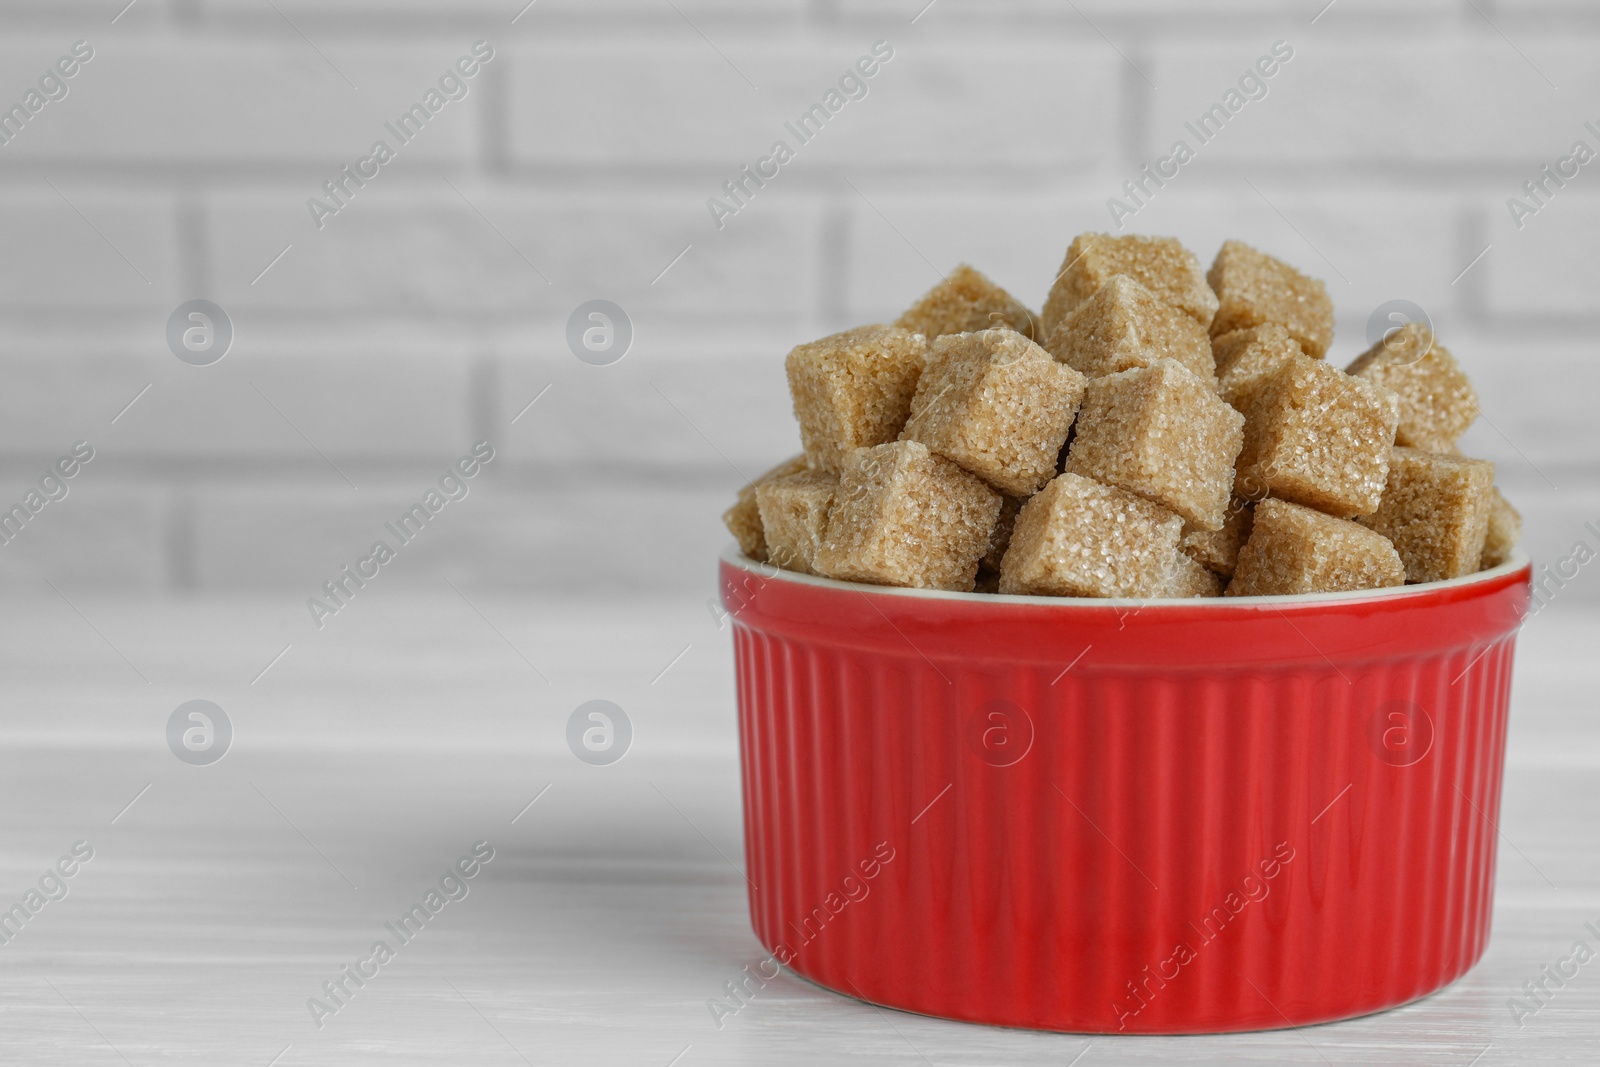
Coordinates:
<point>1177,817</point>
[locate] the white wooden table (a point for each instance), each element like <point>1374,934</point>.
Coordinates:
<point>373,754</point>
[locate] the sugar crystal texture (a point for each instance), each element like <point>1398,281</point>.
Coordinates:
<point>1294,549</point>
<point>1436,510</point>
<point>1505,527</point>
<point>794,516</point>
<point>1437,401</point>
<point>1161,433</point>
<point>1190,579</point>
<point>853,389</point>
<point>1000,540</point>
<point>964,301</point>
<point>1254,288</point>
<point>1077,537</point>
<point>1218,550</point>
<point>904,516</point>
<point>1317,436</point>
<point>1123,326</point>
<point>997,404</point>
<point>1160,264</point>
<point>1225,347</point>
<point>743,520</point>
<point>1251,354</point>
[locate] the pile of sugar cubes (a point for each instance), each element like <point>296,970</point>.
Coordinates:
<point>1157,431</point>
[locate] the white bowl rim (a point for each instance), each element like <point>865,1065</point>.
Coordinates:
<point>735,556</point>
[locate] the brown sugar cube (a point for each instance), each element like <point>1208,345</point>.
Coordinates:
<point>1435,509</point>
<point>853,389</point>
<point>1189,579</point>
<point>997,404</point>
<point>1253,288</point>
<point>965,301</point>
<point>1437,402</point>
<point>1160,264</point>
<point>1251,354</point>
<point>1076,537</point>
<point>1123,326</point>
<point>1505,527</point>
<point>1317,436</point>
<point>794,516</point>
<point>743,520</point>
<point>1000,540</point>
<point>1294,549</point>
<point>1225,347</point>
<point>1160,433</point>
<point>1218,550</point>
<point>904,516</point>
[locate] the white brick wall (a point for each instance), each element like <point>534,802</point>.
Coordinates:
<point>429,311</point>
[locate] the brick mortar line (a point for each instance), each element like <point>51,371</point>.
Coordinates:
<point>1163,24</point>
<point>296,476</point>
<point>956,28</point>
<point>123,177</point>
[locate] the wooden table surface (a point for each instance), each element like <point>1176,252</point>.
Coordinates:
<point>371,755</point>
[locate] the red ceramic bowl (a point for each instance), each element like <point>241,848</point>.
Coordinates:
<point>1157,816</point>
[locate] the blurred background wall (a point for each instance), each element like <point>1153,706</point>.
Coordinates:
<point>432,308</point>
